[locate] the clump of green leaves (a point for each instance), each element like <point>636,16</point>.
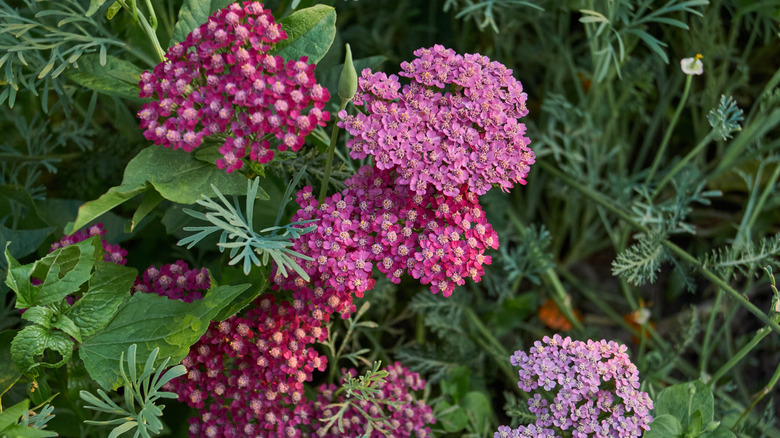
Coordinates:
<point>20,421</point>
<point>238,234</point>
<point>141,391</point>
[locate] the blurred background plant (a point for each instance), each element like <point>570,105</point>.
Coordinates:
<point>648,218</point>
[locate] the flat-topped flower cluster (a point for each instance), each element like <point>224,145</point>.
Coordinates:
<point>223,80</point>
<point>593,385</point>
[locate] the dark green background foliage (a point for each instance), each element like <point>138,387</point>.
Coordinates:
<point>653,191</point>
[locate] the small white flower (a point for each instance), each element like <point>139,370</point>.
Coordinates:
<point>692,66</point>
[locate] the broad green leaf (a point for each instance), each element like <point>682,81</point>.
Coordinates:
<point>258,285</point>
<point>457,383</point>
<point>116,78</point>
<point>9,372</point>
<point>67,325</point>
<point>24,241</point>
<point>13,414</point>
<point>108,287</point>
<point>151,199</point>
<point>39,315</point>
<point>452,417</point>
<point>720,432</point>
<point>310,32</point>
<point>664,426</point>
<point>678,401</point>
<point>152,321</point>
<point>17,431</point>
<point>192,14</point>
<point>175,174</point>
<point>63,271</point>
<point>479,405</point>
<point>33,340</point>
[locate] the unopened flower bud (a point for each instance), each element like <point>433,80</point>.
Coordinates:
<point>348,81</point>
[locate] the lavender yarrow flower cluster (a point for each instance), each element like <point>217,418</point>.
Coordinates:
<point>405,415</point>
<point>246,374</point>
<point>222,79</point>
<point>437,239</point>
<point>111,253</point>
<point>455,123</point>
<point>594,388</point>
<point>175,281</point>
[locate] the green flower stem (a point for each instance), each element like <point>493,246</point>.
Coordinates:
<point>760,334</point>
<point>680,164</point>
<point>668,134</point>
<point>705,346</point>
<point>148,30</point>
<point>331,151</point>
<point>606,203</point>
<point>550,277</point>
<point>490,343</point>
<point>764,391</point>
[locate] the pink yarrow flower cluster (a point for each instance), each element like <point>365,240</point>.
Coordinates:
<point>405,415</point>
<point>175,281</point>
<point>454,124</point>
<point>111,253</point>
<point>594,388</point>
<point>222,80</point>
<point>246,374</point>
<point>437,239</point>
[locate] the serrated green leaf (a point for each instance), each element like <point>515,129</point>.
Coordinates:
<point>192,14</point>
<point>116,78</point>
<point>11,415</point>
<point>68,326</point>
<point>39,315</point>
<point>9,372</point>
<point>24,241</point>
<point>175,174</point>
<point>152,321</point>
<point>108,287</point>
<point>310,32</point>
<point>33,340</point>
<point>63,271</point>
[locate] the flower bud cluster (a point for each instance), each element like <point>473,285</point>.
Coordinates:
<point>223,80</point>
<point>175,281</point>
<point>437,239</point>
<point>454,124</point>
<point>593,389</point>
<point>246,374</point>
<point>395,403</point>
<point>111,253</point>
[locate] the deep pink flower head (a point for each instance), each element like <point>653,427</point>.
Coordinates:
<point>406,416</point>
<point>593,390</point>
<point>455,123</point>
<point>175,281</point>
<point>246,374</point>
<point>222,80</point>
<point>111,253</point>
<point>374,223</point>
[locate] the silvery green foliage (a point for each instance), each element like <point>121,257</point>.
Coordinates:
<point>37,420</point>
<point>726,117</point>
<point>746,259</point>
<point>39,40</point>
<point>141,389</point>
<point>640,263</point>
<point>237,234</point>
<point>484,12</point>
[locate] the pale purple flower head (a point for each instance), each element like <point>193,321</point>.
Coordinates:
<point>222,80</point>
<point>593,390</point>
<point>454,124</point>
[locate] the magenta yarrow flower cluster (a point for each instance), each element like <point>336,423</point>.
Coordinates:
<point>594,388</point>
<point>111,253</point>
<point>175,281</point>
<point>454,124</point>
<point>437,239</point>
<point>246,374</point>
<point>222,80</point>
<point>405,415</point>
